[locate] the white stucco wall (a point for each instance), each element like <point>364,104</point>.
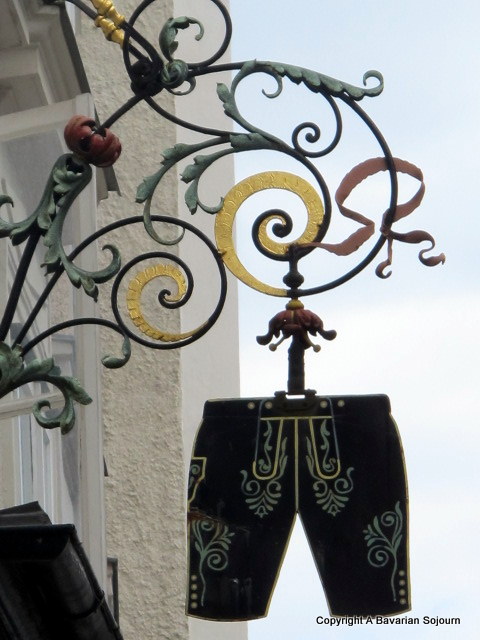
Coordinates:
<point>153,405</point>
<point>142,401</point>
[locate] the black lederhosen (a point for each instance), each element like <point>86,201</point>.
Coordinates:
<point>338,462</point>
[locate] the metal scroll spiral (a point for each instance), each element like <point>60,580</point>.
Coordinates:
<point>166,265</point>
<point>152,70</point>
<point>306,145</point>
<point>179,274</point>
<point>283,223</point>
<point>15,371</point>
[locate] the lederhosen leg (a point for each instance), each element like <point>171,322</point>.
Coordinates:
<point>241,510</point>
<point>353,504</point>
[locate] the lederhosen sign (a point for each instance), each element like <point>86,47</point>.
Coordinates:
<point>338,463</point>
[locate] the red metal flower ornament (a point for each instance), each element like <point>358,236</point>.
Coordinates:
<point>101,148</point>
<point>296,321</point>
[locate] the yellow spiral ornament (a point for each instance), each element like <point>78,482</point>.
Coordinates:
<point>236,197</point>
<point>134,294</point>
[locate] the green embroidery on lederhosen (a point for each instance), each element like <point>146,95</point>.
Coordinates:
<point>262,488</point>
<point>331,489</point>
<point>331,494</point>
<point>195,476</point>
<point>382,548</point>
<point>212,541</point>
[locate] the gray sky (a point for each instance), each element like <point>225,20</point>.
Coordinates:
<point>411,336</point>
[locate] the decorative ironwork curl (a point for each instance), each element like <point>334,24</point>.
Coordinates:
<point>152,71</point>
<point>164,339</point>
<point>164,294</point>
<point>169,44</point>
<point>14,373</point>
<point>282,227</point>
<point>256,139</point>
<point>314,134</point>
<point>109,361</point>
<point>314,230</point>
<point>151,74</point>
<point>68,177</point>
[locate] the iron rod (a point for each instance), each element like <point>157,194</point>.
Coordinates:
<point>18,283</point>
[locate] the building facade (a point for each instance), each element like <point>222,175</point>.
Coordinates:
<point>120,474</point>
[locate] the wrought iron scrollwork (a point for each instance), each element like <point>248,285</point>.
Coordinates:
<point>180,274</point>
<point>14,373</point>
<point>152,69</point>
<point>69,176</point>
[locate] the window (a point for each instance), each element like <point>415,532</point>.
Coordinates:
<point>64,473</point>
